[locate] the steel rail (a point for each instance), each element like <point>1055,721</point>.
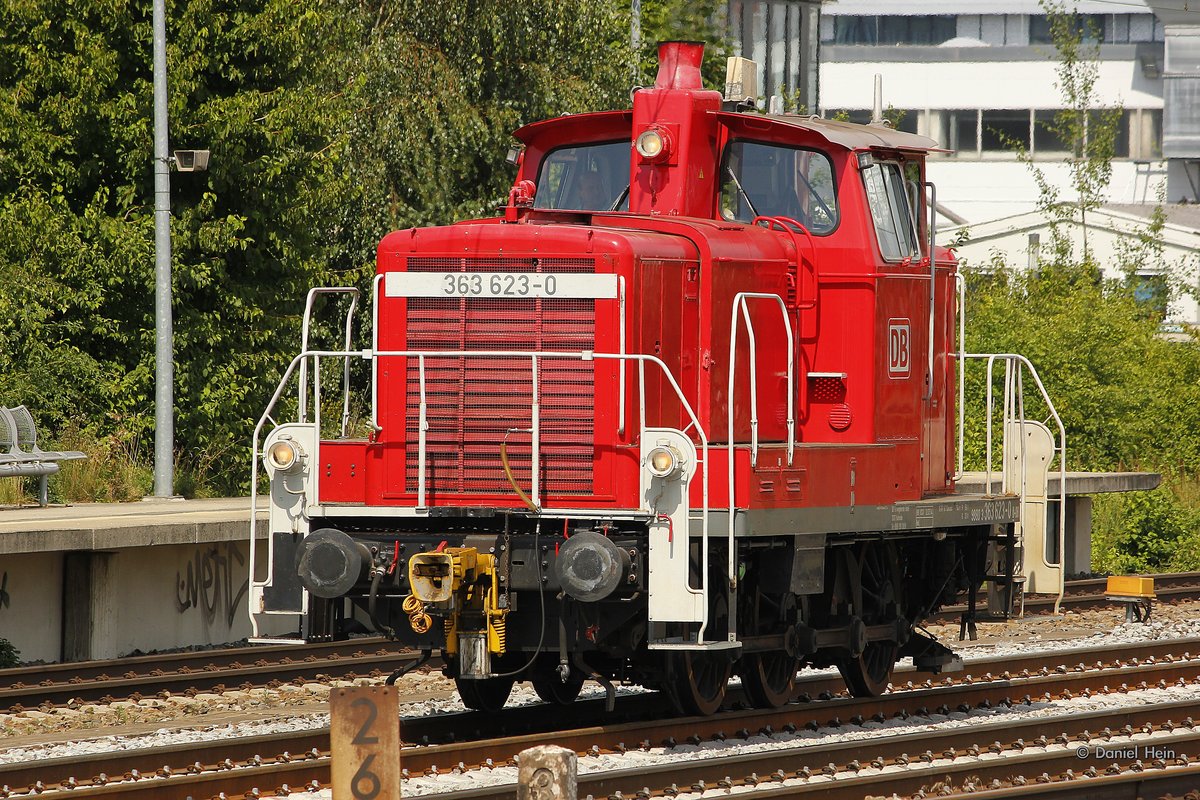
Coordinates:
<point>58,684</point>
<point>452,729</point>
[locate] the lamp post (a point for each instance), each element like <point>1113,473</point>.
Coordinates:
<point>635,38</point>
<point>164,366</point>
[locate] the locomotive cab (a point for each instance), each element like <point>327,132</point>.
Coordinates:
<point>687,408</point>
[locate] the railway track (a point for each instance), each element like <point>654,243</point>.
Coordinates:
<point>49,685</point>
<point>1090,593</point>
<point>464,741</point>
<point>210,670</point>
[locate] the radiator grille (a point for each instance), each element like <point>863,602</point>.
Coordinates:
<point>473,403</point>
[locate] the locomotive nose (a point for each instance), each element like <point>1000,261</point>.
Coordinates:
<point>329,563</point>
<point>590,567</point>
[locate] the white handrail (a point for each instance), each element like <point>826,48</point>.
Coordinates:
<point>585,355</point>
<point>374,347</point>
<point>1014,411</point>
<point>961,282</point>
<point>739,304</point>
<point>305,325</point>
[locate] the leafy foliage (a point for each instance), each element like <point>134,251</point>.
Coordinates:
<point>1126,396</point>
<point>76,252</point>
<point>1149,531</point>
<point>9,655</point>
<point>684,20</point>
<point>330,123</point>
<point>1083,123</point>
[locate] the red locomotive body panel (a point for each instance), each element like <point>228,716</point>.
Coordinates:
<point>865,422</point>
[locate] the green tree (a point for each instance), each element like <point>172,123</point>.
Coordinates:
<point>681,20</point>
<point>330,122</point>
<point>1086,126</point>
<point>252,82</point>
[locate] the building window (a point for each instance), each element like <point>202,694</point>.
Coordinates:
<point>993,29</point>
<point>962,127</point>
<point>918,29</point>
<point>1090,27</point>
<point>1046,140</point>
<point>1102,28</point>
<point>1151,291</point>
<point>1004,127</point>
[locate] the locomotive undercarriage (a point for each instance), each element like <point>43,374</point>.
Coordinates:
<point>532,618</point>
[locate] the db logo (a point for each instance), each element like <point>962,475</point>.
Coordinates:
<point>899,363</point>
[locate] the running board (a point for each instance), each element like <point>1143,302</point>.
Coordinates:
<point>275,640</point>
<point>679,644</point>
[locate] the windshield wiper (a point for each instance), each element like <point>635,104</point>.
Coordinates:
<point>742,191</point>
<point>620,198</point>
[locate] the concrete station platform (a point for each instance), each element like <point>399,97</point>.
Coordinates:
<point>1080,487</point>
<point>103,580</point>
<point>100,580</point>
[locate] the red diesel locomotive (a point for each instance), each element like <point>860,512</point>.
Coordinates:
<point>686,410</point>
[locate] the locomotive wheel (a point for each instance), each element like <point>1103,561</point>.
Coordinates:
<point>698,681</point>
<point>551,688</point>
<point>875,577</point>
<point>487,694</point>
<point>769,678</point>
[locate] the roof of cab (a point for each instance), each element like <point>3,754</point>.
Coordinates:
<point>849,135</point>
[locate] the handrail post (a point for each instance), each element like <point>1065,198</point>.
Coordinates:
<point>374,349</point>
<point>535,438</point>
<point>623,365</point>
<point>961,283</point>
<point>932,280</point>
<point>346,363</point>
<point>316,484</point>
<point>422,427</point>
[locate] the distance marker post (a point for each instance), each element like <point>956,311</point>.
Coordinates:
<point>365,741</point>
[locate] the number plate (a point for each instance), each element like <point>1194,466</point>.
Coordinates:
<point>514,285</point>
<point>364,736</point>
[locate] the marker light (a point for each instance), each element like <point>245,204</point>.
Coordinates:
<point>284,456</point>
<point>653,144</point>
<point>664,462</point>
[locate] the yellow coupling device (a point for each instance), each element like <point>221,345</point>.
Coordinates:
<point>463,586</point>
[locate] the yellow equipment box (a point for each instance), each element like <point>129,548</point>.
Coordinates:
<point>1130,586</point>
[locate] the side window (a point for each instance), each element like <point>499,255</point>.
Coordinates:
<point>589,177</point>
<point>890,201</point>
<point>769,180</point>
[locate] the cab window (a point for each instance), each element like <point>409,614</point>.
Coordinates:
<point>591,177</point>
<point>760,179</point>
<point>891,205</point>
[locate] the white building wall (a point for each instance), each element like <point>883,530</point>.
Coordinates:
<point>909,7</point>
<point>1010,239</point>
<point>977,84</point>
<point>979,191</point>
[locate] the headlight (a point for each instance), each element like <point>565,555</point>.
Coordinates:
<point>652,144</point>
<point>284,456</point>
<point>664,462</point>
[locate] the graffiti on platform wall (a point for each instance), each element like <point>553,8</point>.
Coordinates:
<point>212,582</point>
<point>4,591</point>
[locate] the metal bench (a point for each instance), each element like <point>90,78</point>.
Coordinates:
<point>20,456</point>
